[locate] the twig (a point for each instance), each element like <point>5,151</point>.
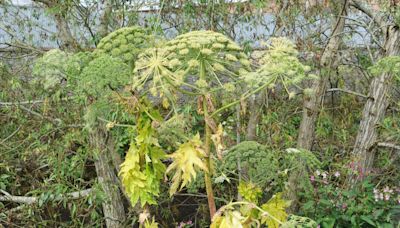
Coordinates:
<point>389,145</point>
<point>20,102</point>
<point>114,123</point>
<point>369,12</point>
<point>2,103</point>
<point>55,121</point>
<point>33,199</point>
<point>11,135</point>
<point>347,91</point>
<point>20,207</point>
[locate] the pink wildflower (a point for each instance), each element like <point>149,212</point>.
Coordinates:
<point>312,178</point>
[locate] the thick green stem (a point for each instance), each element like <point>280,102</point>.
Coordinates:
<point>207,149</point>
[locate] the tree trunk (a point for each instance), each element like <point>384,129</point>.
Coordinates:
<point>113,208</point>
<point>374,111</point>
<point>311,107</point>
<point>105,18</point>
<point>312,104</point>
<point>68,42</point>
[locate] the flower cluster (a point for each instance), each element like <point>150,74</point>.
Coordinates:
<point>54,67</point>
<point>185,224</point>
<point>279,64</point>
<point>213,53</point>
<point>328,198</point>
<point>193,63</point>
<point>153,66</point>
<point>101,74</point>
<point>324,175</point>
<point>386,194</point>
<point>260,163</point>
<point>125,43</point>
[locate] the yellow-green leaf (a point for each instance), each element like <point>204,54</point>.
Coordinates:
<point>250,191</point>
<point>151,224</point>
<point>228,220</point>
<point>188,159</point>
<point>275,209</point>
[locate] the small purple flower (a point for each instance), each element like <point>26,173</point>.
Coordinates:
<point>337,174</point>
<point>184,224</point>
<point>312,178</point>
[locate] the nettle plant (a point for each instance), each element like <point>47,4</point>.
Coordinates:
<point>202,64</point>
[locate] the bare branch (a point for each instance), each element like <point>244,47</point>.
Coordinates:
<point>33,199</point>
<point>5,103</point>
<point>377,18</point>
<point>347,91</point>
<point>389,145</point>
<point>20,102</point>
<point>10,136</point>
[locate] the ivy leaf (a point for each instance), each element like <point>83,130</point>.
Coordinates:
<point>276,208</point>
<point>187,160</point>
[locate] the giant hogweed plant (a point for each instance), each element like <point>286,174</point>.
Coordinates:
<point>202,64</point>
<point>95,80</point>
